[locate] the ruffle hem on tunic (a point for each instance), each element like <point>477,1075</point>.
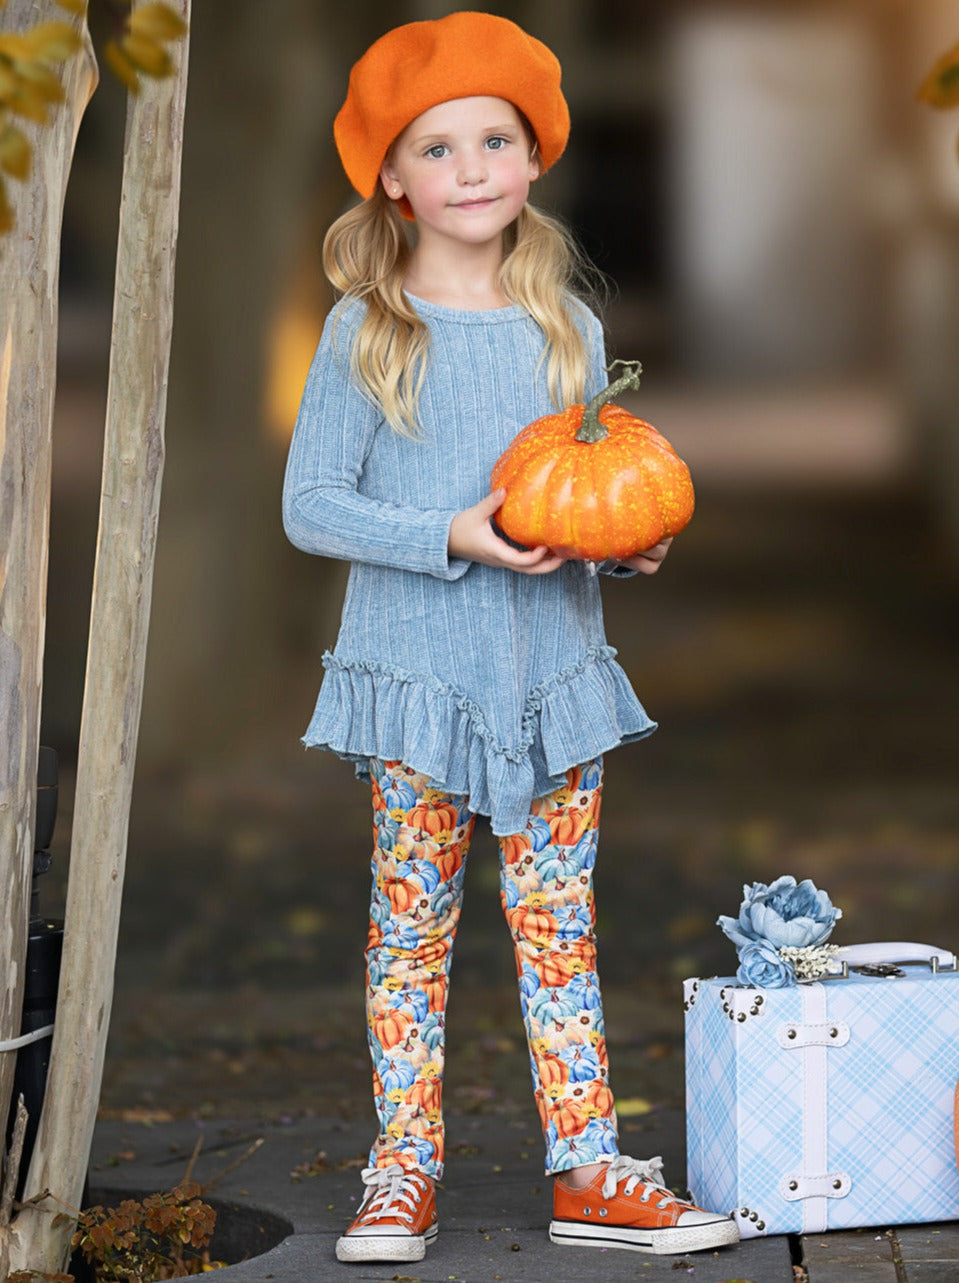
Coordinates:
<point>368,709</point>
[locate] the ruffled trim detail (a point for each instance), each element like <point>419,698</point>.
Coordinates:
<point>370,709</point>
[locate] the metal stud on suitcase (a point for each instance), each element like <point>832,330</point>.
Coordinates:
<point>827,1104</point>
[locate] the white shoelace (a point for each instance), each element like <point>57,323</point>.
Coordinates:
<point>390,1190</point>
<point>632,1171</point>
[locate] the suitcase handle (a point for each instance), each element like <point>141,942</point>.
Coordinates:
<point>896,953</point>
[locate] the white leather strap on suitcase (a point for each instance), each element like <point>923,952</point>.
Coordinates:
<point>832,1185</point>
<point>813,1039</point>
<point>831,1033</point>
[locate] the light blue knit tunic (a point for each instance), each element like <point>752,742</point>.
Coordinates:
<point>491,682</point>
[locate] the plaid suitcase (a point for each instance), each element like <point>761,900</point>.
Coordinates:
<point>829,1104</point>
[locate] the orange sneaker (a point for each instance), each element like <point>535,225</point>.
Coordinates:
<point>397,1219</point>
<point>628,1206</point>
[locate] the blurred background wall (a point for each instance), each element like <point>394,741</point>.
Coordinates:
<point>777,212</point>
<point>781,219</point>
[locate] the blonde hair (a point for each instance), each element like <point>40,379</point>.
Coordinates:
<point>365,256</point>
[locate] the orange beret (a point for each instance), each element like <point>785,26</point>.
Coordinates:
<point>421,64</point>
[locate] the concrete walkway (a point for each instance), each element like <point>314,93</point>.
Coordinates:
<point>799,656</point>
<point>494,1204</point>
<point>300,1187</point>
<point>903,1254</point>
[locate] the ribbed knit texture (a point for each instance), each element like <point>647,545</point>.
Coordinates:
<point>492,682</point>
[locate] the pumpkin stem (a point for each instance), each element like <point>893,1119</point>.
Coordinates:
<point>591,430</point>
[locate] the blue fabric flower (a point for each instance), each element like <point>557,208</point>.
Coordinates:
<point>761,967</point>
<point>784,914</point>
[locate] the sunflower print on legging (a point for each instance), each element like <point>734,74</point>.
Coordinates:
<point>421,841</point>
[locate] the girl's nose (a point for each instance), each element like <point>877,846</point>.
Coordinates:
<point>472,171</point>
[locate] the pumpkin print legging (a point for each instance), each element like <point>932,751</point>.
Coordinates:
<point>421,841</point>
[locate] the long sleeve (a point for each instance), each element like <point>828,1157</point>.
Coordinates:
<point>324,508</point>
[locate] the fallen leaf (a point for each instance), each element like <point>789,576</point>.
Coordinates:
<point>632,1106</point>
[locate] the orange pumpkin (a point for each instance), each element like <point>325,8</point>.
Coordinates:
<point>568,826</point>
<point>433,952</point>
<point>542,1105</point>
<point>553,969</point>
<point>515,847</point>
<point>402,893</point>
<point>450,861</point>
<point>582,950</point>
<point>390,1028</point>
<point>433,817</point>
<point>426,1093</point>
<point>573,777</point>
<point>599,1096</point>
<point>593,482</point>
<point>536,925</point>
<point>435,991</point>
<point>569,1119</point>
<point>552,1070</point>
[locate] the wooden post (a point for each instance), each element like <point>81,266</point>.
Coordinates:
<point>29,276</point>
<point>132,469</point>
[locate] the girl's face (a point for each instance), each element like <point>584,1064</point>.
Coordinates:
<point>465,166</point>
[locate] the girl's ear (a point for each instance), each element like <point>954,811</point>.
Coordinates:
<point>391,183</point>
<point>534,166</point>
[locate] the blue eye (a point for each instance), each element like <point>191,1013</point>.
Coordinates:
<point>437,151</point>
<point>496,143</point>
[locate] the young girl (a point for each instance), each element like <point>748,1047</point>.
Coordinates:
<point>469,676</point>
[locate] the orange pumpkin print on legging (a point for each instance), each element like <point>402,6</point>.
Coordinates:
<point>421,844</point>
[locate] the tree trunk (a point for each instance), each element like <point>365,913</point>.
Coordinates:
<point>29,275</point>
<point>132,469</point>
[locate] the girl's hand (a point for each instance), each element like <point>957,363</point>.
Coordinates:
<point>473,538</point>
<point>648,562</point>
